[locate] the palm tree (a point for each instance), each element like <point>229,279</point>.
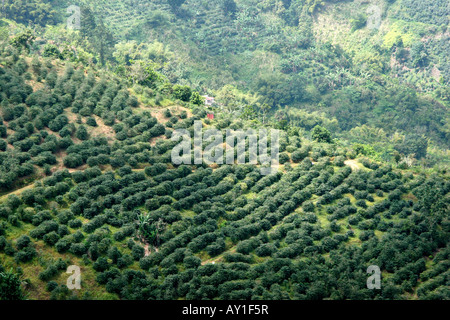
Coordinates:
<point>11,286</point>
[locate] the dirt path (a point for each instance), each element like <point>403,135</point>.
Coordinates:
<point>147,250</point>
<point>352,164</point>
<point>17,191</point>
<point>219,258</point>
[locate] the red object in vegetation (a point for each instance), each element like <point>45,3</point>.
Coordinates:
<point>210,116</point>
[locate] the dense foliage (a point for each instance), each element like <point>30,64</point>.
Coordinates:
<point>395,79</point>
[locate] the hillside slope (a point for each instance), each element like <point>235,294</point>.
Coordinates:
<point>375,65</point>
<point>141,228</point>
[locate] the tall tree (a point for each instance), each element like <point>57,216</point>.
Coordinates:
<point>100,38</point>
<point>229,7</point>
<point>413,144</point>
<point>321,134</point>
<point>23,40</point>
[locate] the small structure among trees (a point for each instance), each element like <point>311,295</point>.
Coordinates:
<point>209,101</point>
